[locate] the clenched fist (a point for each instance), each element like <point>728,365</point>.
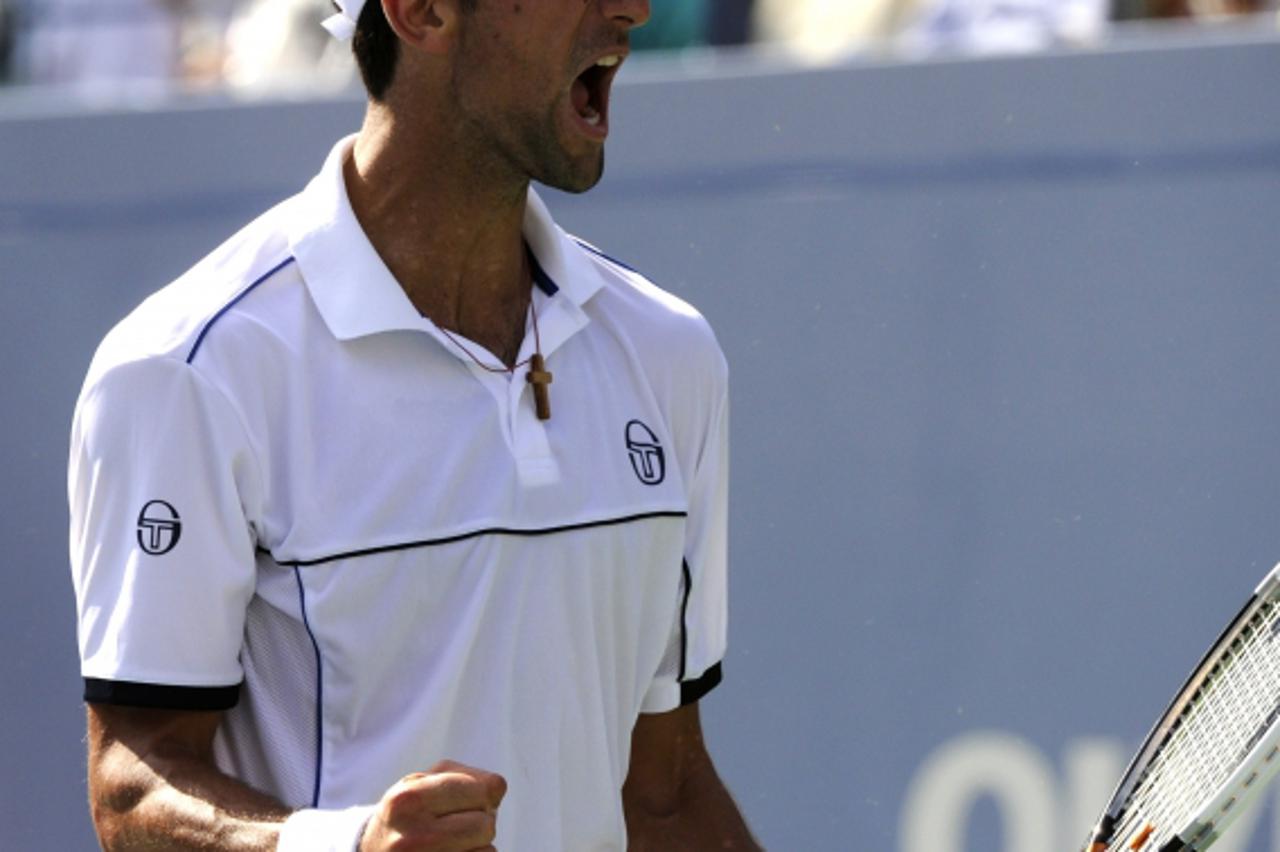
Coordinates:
<point>451,808</point>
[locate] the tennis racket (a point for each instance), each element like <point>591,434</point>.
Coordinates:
<point>1216,746</point>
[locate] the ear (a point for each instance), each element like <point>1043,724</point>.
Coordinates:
<point>426,25</point>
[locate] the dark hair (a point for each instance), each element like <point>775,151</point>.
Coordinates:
<point>376,49</point>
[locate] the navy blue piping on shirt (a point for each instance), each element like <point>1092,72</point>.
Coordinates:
<point>540,276</point>
<point>692,690</point>
<point>315,646</point>
<point>684,619</point>
<point>229,305</point>
<point>604,256</point>
<point>433,542</point>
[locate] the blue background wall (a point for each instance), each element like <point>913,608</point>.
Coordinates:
<point>1004,338</point>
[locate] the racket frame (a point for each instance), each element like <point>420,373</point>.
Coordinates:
<point>1101,836</point>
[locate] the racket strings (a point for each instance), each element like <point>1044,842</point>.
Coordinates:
<point>1220,724</point>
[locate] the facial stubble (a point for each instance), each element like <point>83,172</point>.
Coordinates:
<point>523,144</point>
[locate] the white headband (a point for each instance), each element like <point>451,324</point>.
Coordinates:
<point>342,26</point>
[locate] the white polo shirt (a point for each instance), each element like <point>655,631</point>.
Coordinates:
<point>293,498</point>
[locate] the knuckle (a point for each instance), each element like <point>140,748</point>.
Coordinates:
<point>444,766</point>
<point>400,803</point>
<point>451,784</point>
<point>398,799</point>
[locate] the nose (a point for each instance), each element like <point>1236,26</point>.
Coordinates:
<point>631,13</point>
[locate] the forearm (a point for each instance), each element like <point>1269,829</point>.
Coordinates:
<point>702,816</point>
<point>168,799</point>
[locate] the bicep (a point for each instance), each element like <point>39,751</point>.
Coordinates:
<point>131,748</point>
<point>673,797</point>
<point>667,750</point>
<point>145,730</point>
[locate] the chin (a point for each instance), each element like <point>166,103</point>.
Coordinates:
<point>574,177</point>
<point>579,187</point>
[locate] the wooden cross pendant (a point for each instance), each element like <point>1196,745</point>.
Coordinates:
<point>540,378</point>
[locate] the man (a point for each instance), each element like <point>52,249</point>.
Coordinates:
<point>398,522</point>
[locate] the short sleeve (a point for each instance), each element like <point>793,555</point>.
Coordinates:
<point>692,665</point>
<point>162,550</point>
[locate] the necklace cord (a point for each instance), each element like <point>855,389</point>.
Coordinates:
<point>538,376</point>
<point>537,345</point>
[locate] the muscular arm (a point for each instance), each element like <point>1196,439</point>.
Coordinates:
<point>673,797</point>
<point>153,785</point>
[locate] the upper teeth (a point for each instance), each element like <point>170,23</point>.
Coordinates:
<point>609,61</point>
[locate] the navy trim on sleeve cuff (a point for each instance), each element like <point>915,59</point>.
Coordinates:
<point>129,694</point>
<point>694,690</point>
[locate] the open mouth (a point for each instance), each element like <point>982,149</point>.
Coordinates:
<point>590,92</point>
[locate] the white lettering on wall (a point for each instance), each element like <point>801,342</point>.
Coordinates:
<point>1040,810</point>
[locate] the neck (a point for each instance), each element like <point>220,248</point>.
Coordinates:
<point>449,230</point>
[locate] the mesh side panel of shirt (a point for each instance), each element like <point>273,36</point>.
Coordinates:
<point>272,738</point>
<point>673,659</point>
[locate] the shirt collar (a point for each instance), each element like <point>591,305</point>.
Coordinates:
<point>356,294</point>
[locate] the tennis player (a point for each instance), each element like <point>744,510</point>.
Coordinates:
<point>399,521</point>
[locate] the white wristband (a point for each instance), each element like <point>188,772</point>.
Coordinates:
<point>324,831</point>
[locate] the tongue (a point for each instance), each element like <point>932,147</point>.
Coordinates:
<point>581,97</point>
